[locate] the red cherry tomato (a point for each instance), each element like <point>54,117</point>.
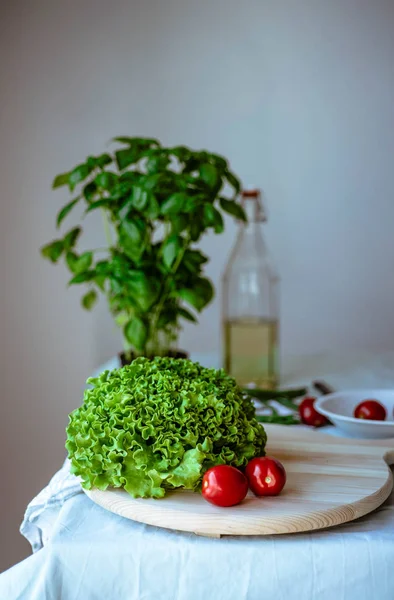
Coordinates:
<point>224,486</point>
<point>309,414</point>
<point>266,476</point>
<point>371,410</point>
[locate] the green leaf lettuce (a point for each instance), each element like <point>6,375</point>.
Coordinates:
<point>158,425</point>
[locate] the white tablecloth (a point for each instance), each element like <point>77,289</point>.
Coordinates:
<point>91,554</point>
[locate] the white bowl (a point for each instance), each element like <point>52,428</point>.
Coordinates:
<point>339,408</point>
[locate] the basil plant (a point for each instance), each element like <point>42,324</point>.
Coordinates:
<point>156,204</point>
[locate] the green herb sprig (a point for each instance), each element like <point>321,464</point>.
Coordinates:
<point>286,398</point>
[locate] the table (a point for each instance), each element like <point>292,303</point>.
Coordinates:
<point>92,554</point>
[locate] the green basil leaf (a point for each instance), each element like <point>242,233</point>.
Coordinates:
<point>149,182</point>
<point>125,158</point>
<point>89,191</point>
<point>83,262</point>
<point>139,282</point>
<point>193,260</point>
<point>144,289</point>
<point>103,267</point>
<point>192,203</point>
<point>233,181</point>
<point>134,230</point>
<point>121,189</point>
<point>153,209</point>
<point>60,180</point>
<point>166,317</point>
<point>121,319</point>
<point>91,162</point>
<point>181,153</point>
<point>142,142</point>
<point>136,333</point>
<point>71,260</point>
<point>218,225</point>
<point>191,164</point>
<point>116,287</point>
<point>209,214</point>
<point>174,204</point>
<point>157,163</point>
<point>171,247</point>
<point>131,177</point>
<point>125,209</point>
<point>89,299</point>
<point>82,277</point>
<point>213,218</point>
<point>106,180</point>
<point>71,237</point>
<point>187,315</point>
<point>232,208</point>
<point>191,297</point>
<point>124,139</point>
<point>62,214</point>
<point>53,251</point>
<point>210,175</point>
<point>132,236</point>
<point>199,296</point>
<point>179,223</point>
<point>103,160</point>
<point>197,226</point>
<point>98,204</point>
<point>205,289</point>
<point>139,197</point>
<point>132,250</point>
<point>78,174</point>
<point>184,181</point>
<point>99,280</point>
<point>219,161</point>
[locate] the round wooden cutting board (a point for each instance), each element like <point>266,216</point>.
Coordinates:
<point>330,480</point>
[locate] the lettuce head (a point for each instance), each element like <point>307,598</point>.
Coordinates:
<point>158,425</point>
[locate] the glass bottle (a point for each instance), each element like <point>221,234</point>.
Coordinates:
<point>251,303</point>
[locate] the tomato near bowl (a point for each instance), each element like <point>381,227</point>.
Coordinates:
<point>371,410</point>
<point>339,408</point>
<point>309,415</point>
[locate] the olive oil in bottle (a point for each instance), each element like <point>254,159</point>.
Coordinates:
<point>250,304</point>
<point>251,347</point>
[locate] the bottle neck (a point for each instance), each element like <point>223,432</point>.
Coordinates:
<point>251,207</point>
<point>251,230</point>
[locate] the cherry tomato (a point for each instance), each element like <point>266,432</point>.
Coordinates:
<point>266,476</point>
<point>371,410</point>
<point>224,486</point>
<point>309,414</point>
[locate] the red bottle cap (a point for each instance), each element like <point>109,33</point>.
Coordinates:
<point>250,193</point>
<point>253,193</point>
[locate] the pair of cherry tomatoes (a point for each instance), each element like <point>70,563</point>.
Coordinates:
<point>226,486</point>
<point>371,410</point>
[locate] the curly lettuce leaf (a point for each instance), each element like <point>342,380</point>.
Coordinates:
<point>158,425</point>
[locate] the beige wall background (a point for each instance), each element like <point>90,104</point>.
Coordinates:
<point>299,95</point>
